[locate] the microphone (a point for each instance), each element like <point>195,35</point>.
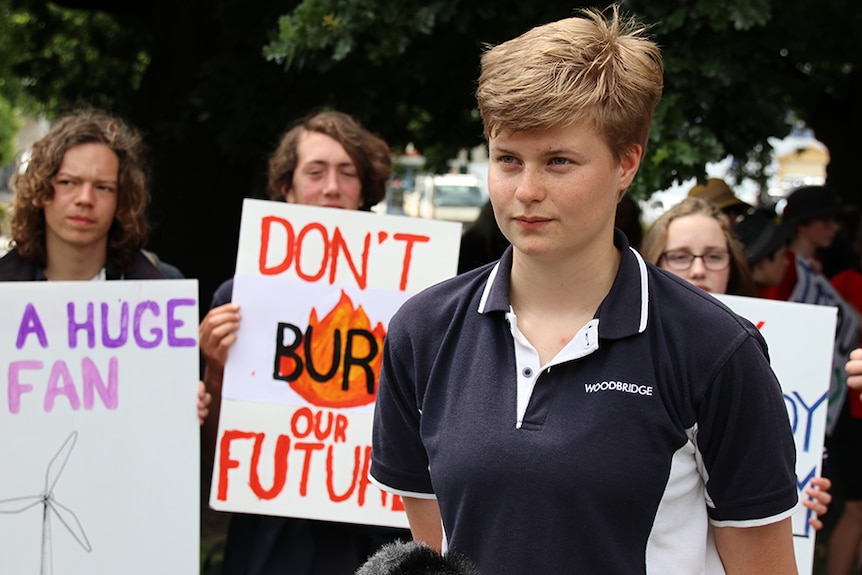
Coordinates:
<point>415,558</point>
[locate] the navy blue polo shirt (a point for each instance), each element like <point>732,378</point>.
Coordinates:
<point>661,416</point>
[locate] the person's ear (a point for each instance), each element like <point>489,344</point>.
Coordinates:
<point>287,194</point>
<point>629,164</point>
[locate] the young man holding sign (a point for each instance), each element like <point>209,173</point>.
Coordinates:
<point>79,208</point>
<point>572,409</point>
<point>328,160</point>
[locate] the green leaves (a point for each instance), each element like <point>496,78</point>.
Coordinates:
<point>10,123</point>
<point>319,32</point>
<point>53,57</point>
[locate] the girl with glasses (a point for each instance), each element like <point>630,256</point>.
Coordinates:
<point>693,240</point>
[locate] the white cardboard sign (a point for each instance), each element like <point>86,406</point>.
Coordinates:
<point>317,288</point>
<point>99,436</point>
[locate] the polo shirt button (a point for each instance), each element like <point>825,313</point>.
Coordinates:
<point>527,372</point>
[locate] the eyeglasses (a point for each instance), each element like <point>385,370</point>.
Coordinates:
<point>681,261</point>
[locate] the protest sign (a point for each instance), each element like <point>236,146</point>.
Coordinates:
<point>800,339</point>
<point>316,288</point>
<point>99,436</point>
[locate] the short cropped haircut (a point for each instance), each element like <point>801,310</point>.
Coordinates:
<point>589,69</point>
<point>654,244</point>
<point>33,187</point>
<point>369,153</point>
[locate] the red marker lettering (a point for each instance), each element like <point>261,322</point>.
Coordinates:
<point>408,255</point>
<point>282,447</point>
<point>225,462</point>
<point>309,449</point>
<point>330,473</point>
<point>338,244</point>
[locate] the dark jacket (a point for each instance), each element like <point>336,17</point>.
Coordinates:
<point>14,268</point>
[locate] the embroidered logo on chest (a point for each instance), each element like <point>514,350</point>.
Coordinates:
<point>619,386</point>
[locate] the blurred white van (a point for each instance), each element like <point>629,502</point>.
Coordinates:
<point>453,197</point>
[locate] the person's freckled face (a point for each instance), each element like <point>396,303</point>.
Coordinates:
<point>555,191</point>
<point>698,235</point>
<point>325,175</point>
<point>84,203</point>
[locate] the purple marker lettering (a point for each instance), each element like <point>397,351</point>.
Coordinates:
<point>88,325</point>
<point>123,336</point>
<point>31,323</point>
<point>93,381</point>
<point>174,324</point>
<point>140,310</point>
<point>16,388</point>
<point>60,383</point>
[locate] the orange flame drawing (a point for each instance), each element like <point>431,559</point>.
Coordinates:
<point>332,393</point>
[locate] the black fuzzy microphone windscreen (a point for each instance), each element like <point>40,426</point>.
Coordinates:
<point>415,558</point>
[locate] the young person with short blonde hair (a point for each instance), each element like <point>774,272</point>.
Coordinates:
<point>570,408</point>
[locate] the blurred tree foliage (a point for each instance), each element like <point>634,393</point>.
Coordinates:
<point>213,84</point>
<point>10,86</point>
<point>737,72</point>
<point>10,123</point>
<point>52,59</point>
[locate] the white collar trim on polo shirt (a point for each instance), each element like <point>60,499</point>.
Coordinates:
<point>644,277</point>
<point>644,291</point>
<point>487,291</point>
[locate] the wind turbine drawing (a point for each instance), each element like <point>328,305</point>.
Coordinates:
<point>51,506</point>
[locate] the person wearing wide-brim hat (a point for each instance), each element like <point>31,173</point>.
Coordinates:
<point>717,192</point>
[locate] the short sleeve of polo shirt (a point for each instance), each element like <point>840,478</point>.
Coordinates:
<point>744,437</point>
<point>398,458</point>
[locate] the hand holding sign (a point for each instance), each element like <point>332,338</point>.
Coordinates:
<point>217,333</point>
<point>854,369</point>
